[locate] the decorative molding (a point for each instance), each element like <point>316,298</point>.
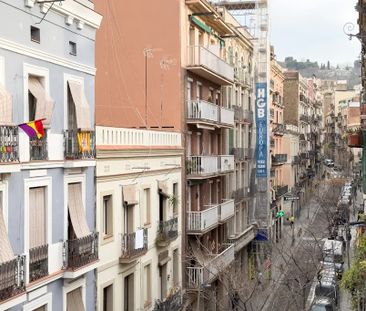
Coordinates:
<point>69,20</point>
<point>44,300</point>
<point>47,57</point>
<point>29,3</point>
<point>42,8</point>
<point>80,25</point>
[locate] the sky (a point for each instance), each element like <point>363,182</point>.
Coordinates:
<point>313,29</point>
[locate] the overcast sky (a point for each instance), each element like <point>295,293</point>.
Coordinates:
<point>313,29</point>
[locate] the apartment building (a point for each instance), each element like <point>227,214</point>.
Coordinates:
<point>139,179</point>
<point>297,112</point>
<point>49,245</point>
<point>279,158</point>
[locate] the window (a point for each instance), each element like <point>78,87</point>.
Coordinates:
<point>72,48</point>
<point>35,34</point>
<point>147,202</point>
<point>129,293</point>
<point>107,216</point>
<point>108,298</point>
<point>175,200</point>
<point>176,267</point>
<point>43,308</point>
<point>147,285</point>
<point>74,300</point>
<point>37,217</point>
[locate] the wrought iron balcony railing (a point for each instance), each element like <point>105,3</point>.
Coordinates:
<point>278,129</point>
<point>279,159</point>
<point>80,252</point>
<point>9,144</point>
<point>304,118</point>
<point>12,278</point>
<point>167,231</point>
<point>281,190</point>
<point>38,148</point>
<point>240,194</point>
<point>295,160</point>
<point>131,247</point>
<point>241,154</point>
<point>38,262</point>
<point>173,302</point>
<point>79,144</point>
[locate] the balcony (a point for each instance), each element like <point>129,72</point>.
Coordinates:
<point>172,302</point>
<point>9,143</point>
<point>279,159</point>
<point>280,191</point>
<point>241,154</point>
<point>304,118</point>
<point>38,148</point>
<point>79,145</point>
<point>167,231</point>
<point>200,110</point>
<point>272,142</point>
<point>248,116</point>
<point>242,239</point>
<point>38,262</point>
<point>226,210</point>
<point>227,117</point>
<point>295,160</point>
<point>200,222</point>
<point>130,250</point>
<point>12,281</point>
<point>226,163</point>
<point>216,264</point>
<point>278,129</point>
<point>204,166</point>
<point>241,194</point>
<point>355,140</point>
<point>207,64</point>
<point>271,113</point>
<point>81,252</point>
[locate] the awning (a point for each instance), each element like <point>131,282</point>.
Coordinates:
<point>6,107</point>
<point>129,194</point>
<point>6,252</point>
<point>76,210</point>
<point>75,300</point>
<point>44,107</point>
<point>200,24</point>
<point>37,217</point>
<point>163,188</point>
<point>81,105</point>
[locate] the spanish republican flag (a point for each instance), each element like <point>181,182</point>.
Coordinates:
<point>33,128</point>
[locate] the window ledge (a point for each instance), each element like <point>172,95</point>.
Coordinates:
<point>108,238</point>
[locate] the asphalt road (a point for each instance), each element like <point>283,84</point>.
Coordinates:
<point>291,290</point>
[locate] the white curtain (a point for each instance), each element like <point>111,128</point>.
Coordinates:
<point>6,252</point>
<point>75,301</point>
<point>6,107</point>
<point>82,108</point>
<point>76,210</point>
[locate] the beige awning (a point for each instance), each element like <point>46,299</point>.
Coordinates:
<point>44,106</point>
<point>6,252</point>
<point>81,106</point>
<point>37,217</point>
<point>75,300</point>
<point>129,194</point>
<point>76,210</point>
<point>163,187</point>
<point>6,107</point>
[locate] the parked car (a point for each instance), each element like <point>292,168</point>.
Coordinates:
<point>323,304</point>
<point>329,162</point>
<point>327,287</point>
<point>333,252</point>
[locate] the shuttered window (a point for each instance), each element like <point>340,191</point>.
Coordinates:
<point>6,252</point>
<point>37,217</point>
<point>82,108</point>
<point>44,104</point>
<point>76,211</point>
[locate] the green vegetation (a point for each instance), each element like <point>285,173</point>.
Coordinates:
<point>354,279</point>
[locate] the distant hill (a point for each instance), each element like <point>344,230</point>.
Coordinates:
<point>325,71</point>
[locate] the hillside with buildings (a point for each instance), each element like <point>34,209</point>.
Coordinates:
<point>326,71</point>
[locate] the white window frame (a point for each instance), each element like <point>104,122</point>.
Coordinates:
<point>69,287</point>
<point>68,77</point>
<point>39,302</point>
<point>33,183</point>
<point>4,188</point>
<point>30,69</point>
<point>70,179</point>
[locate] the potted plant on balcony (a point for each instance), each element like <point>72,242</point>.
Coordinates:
<point>173,200</point>
<point>354,137</point>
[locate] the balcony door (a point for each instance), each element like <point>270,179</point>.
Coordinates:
<point>129,218</point>
<point>163,207</point>
<point>71,112</point>
<point>37,217</point>
<point>163,282</point>
<point>129,293</point>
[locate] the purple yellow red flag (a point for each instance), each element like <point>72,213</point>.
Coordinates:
<point>33,128</point>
